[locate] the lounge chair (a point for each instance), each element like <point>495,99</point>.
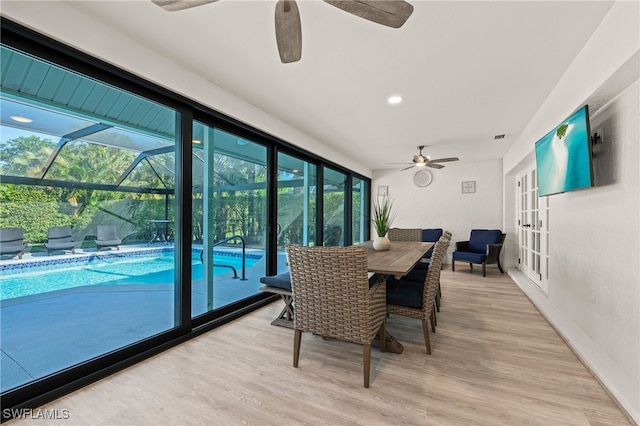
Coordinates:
<point>59,239</point>
<point>12,242</point>
<point>107,237</point>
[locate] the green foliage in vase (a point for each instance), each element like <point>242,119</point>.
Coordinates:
<point>382,215</point>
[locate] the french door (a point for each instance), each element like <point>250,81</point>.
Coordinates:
<point>533,229</point>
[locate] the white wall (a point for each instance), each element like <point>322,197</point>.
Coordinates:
<point>442,204</point>
<point>595,233</point>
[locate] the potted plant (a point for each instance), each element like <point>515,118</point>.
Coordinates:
<point>382,218</point>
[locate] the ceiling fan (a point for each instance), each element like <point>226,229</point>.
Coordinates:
<point>391,13</point>
<point>425,161</point>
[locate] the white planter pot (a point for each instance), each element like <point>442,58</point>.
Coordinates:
<point>381,243</point>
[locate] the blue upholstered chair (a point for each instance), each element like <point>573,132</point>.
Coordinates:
<point>414,294</point>
<point>483,247</point>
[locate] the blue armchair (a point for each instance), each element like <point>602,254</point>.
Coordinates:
<point>483,247</point>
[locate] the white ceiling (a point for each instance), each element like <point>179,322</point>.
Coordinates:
<point>467,70</point>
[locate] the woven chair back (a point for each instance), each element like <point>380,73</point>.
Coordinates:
<point>330,288</point>
<point>405,234</point>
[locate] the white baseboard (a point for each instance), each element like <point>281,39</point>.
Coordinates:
<point>623,390</point>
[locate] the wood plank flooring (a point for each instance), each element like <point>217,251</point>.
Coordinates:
<point>495,361</point>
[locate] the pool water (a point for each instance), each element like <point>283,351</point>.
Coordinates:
<point>113,271</point>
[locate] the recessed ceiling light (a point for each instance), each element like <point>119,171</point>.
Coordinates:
<point>197,141</point>
<point>294,171</point>
<point>395,99</point>
<point>21,119</point>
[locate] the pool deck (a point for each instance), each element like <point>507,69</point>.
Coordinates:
<point>44,333</point>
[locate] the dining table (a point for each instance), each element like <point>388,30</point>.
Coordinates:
<point>399,260</point>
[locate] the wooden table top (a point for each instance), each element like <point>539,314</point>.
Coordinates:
<point>398,260</point>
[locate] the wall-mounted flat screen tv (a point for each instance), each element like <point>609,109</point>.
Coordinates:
<point>563,156</point>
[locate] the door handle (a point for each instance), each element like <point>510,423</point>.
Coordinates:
<point>528,225</point>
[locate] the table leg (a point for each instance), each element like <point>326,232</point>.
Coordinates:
<point>393,345</point>
<point>154,236</point>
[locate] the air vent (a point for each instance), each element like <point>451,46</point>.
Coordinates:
<point>499,136</point>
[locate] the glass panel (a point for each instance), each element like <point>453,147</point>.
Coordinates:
<point>99,270</point>
<point>229,218</point>
<point>334,201</point>
<point>297,190</point>
<point>359,200</point>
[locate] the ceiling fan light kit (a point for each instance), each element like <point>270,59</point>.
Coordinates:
<point>426,161</point>
<point>391,13</point>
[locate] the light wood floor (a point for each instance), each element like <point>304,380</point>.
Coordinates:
<point>495,361</point>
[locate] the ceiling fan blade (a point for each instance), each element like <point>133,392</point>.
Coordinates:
<point>407,168</point>
<point>434,165</point>
<point>288,31</point>
<point>392,13</point>
<point>444,160</point>
<point>174,5</point>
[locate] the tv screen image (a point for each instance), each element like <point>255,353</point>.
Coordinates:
<point>563,156</point>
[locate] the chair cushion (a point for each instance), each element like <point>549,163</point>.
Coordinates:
<point>481,237</point>
<point>404,293</point>
<point>417,275</point>
<point>282,281</point>
<point>467,256</point>
<point>431,235</point>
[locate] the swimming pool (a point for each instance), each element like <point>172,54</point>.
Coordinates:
<point>154,268</point>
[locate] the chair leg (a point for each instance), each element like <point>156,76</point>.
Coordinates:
<point>484,269</point>
<point>433,320</point>
<point>500,267</point>
<point>425,331</point>
<point>366,362</point>
<point>437,302</point>
<point>453,265</point>
<point>297,336</point>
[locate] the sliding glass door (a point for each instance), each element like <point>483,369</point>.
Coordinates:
<point>297,192</point>
<point>334,200</point>
<point>229,218</point>
<point>88,193</point>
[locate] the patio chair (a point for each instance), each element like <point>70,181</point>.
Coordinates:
<point>107,237</point>
<point>12,242</point>
<point>333,299</point>
<point>483,247</point>
<point>60,239</point>
<point>417,299</point>
<point>405,234</point>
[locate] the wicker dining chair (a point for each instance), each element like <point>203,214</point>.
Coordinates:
<point>405,234</point>
<point>417,300</point>
<point>333,298</point>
